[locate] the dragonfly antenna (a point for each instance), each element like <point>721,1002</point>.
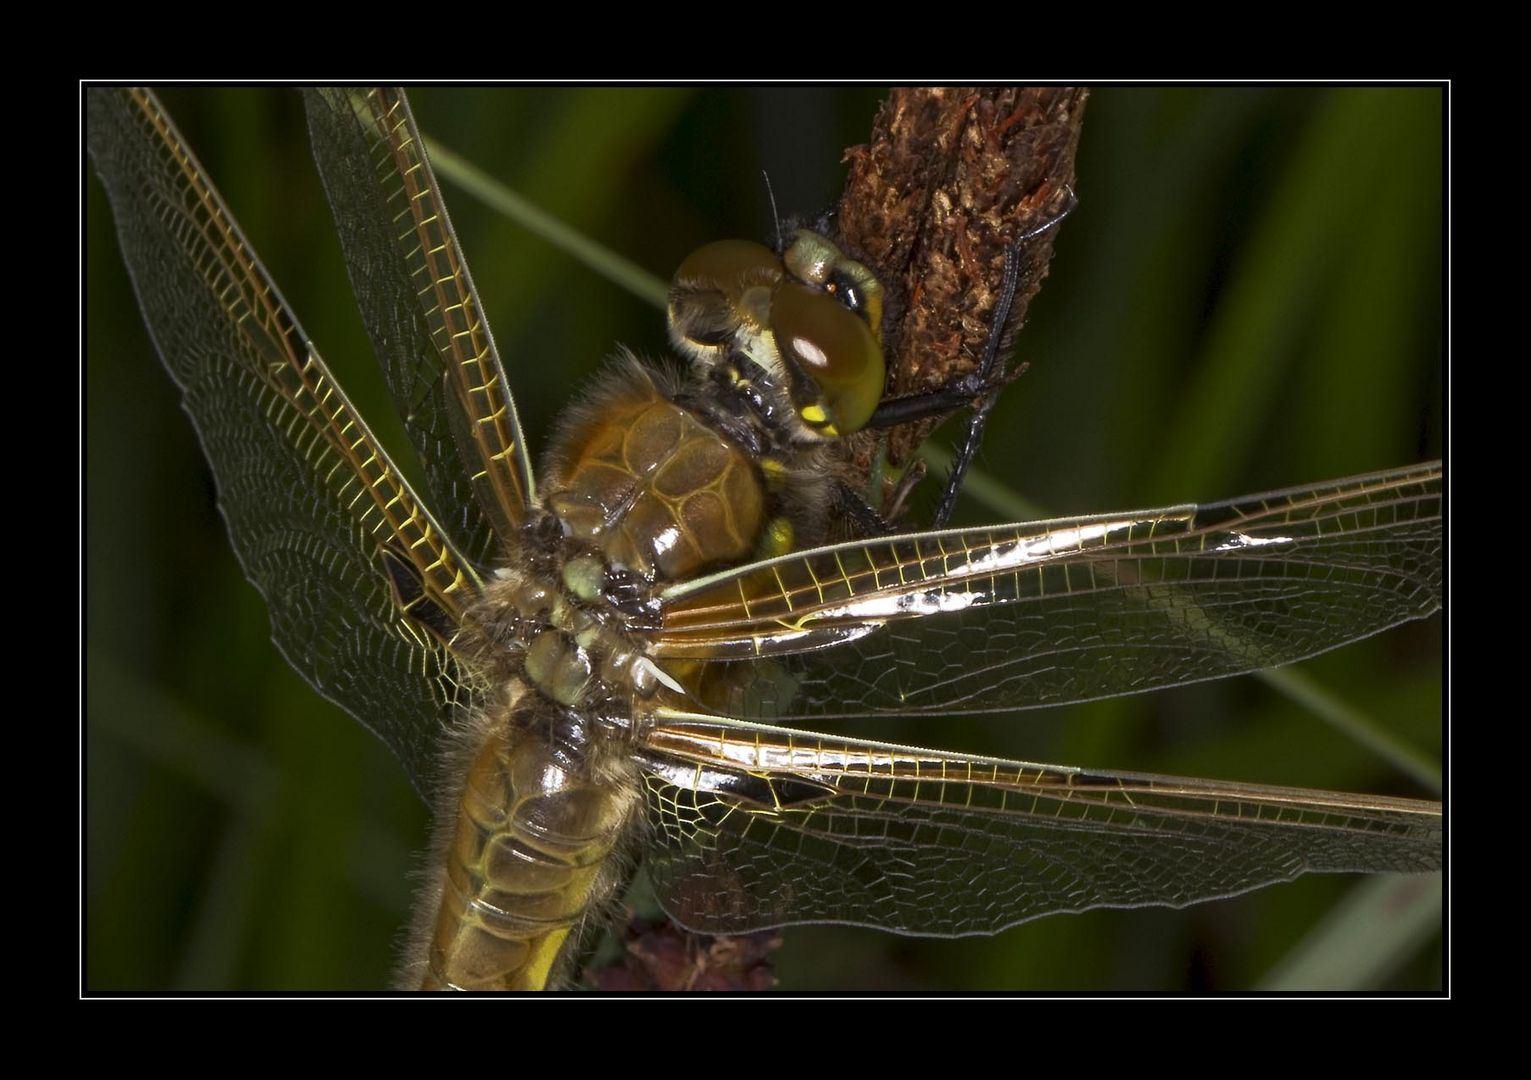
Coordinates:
<point>775,215</point>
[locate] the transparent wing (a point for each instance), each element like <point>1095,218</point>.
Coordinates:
<point>363,587</point>
<point>418,302</point>
<point>753,827</point>
<point>1012,617</point>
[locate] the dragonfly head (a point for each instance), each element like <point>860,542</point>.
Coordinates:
<point>810,318</point>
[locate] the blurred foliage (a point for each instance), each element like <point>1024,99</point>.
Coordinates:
<point>1249,296</point>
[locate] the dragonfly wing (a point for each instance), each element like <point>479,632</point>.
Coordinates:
<point>364,588</point>
<point>754,827</point>
<point>1013,617</point>
<point>418,301</point>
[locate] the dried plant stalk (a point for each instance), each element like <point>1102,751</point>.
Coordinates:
<point>950,179</point>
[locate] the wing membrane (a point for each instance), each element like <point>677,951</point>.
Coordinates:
<point>363,587</point>
<point>1012,617</point>
<point>754,827</point>
<point>418,301</point>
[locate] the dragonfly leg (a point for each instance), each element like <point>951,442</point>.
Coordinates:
<point>980,388</point>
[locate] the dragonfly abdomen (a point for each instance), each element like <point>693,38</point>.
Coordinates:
<point>529,853</point>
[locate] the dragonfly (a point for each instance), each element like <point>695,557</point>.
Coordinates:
<point>325,337</point>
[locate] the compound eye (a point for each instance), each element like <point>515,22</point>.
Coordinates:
<point>813,260</point>
<point>727,265</point>
<point>711,293</point>
<point>835,350</point>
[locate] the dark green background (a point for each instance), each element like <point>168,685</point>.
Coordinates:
<point>1249,296</point>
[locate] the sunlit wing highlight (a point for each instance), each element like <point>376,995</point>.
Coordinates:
<point>1069,610</point>
<point>756,826</point>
